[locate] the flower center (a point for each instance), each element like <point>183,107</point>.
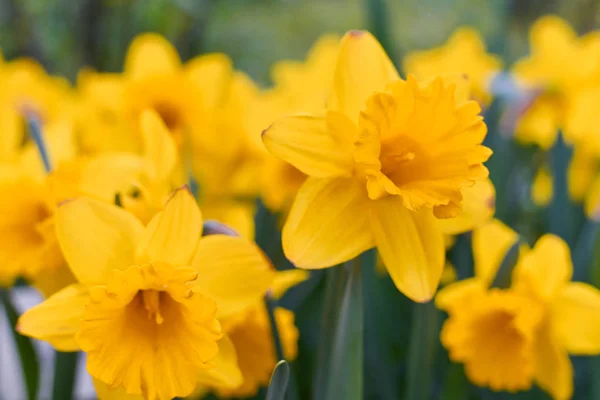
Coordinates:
<point>493,337</point>
<point>151,300</point>
<point>169,114</point>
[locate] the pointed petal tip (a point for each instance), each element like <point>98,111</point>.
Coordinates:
<point>355,33</point>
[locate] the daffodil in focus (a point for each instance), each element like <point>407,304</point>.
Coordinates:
<point>463,54</point>
<point>560,66</point>
<point>510,338</point>
<point>148,301</point>
<point>386,161</point>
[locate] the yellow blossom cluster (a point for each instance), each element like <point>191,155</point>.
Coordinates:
<point>107,188</point>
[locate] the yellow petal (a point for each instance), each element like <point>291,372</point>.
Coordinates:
<point>582,170</point>
<point>212,73</point>
<point>105,392</point>
<point>542,188</point>
<point>100,177</point>
<point>96,238</point>
<point>284,280</point>
<point>151,54</point>
<point>317,146</point>
<point>577,318</point>
<point>362,68</point>
<point>173,234</point>
<point>544,270</point>
<point>491,242</point>
<point>411,245</point>
<point>592,201</point>
<point>232,271</point>
<point>159,147</point>
<point>454,295</point>
<point>57,319</point>
<point>223,370</point>
<point>553,369</point>
<point>328,223</point>
<point>478,206</point>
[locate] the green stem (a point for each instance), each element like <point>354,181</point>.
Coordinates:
<point>377,14</point>
<point>271,305</point>
<point>347,357</point>
<point>27,354</point>
<point>334,290</point>
<point>36,133</point>
<point>425,325</point>
<point>65,367</point>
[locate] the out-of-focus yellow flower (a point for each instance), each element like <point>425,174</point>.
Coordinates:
<point>301,87</point>
<point>542,188</point>
<point>28,245</point>
<point>139,183</point>
<point>305,86</point>
<point>388,153</point>
<point>560,66</point>
<point>101,109</point>
<point>26,90</point>
<point>510,338</point>
<point>250,333</point>
<point>148,301</point>
<point>463,54</point>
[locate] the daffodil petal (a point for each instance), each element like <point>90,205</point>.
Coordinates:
<point>173,234</point>
<point>318,146</point>
<point>545,269</point>
<point>57,319</point>
<point>233,271</point>
<point>577,318</point>
<point>105,392</point>
<point>455,294</point>
<point>159,147</point>
<point>478,206</point>
<point>328,223</point>
<point>285,280</point>
<point>491,242</point>
<point>223,370</point>
<point>212,73</point>
<point>96,237</point>
<point>362,68</point>
<point>553,369</point>
<point>411,245</point>
<point>151,54</point>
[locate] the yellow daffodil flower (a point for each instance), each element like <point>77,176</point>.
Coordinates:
<point>387,160</point>
<point>510,338</point>
<point>560,66</point>
<point>148,300</point>
<point>463,54</point>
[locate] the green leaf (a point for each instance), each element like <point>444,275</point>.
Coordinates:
<point>65,367</point>
<point>347,354</point>
<point>503,275</point>
<point>562,215</point>
<point>422,352</point>
<point>27,354</point>
<point>334,292</point>
<point>279,381</point>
